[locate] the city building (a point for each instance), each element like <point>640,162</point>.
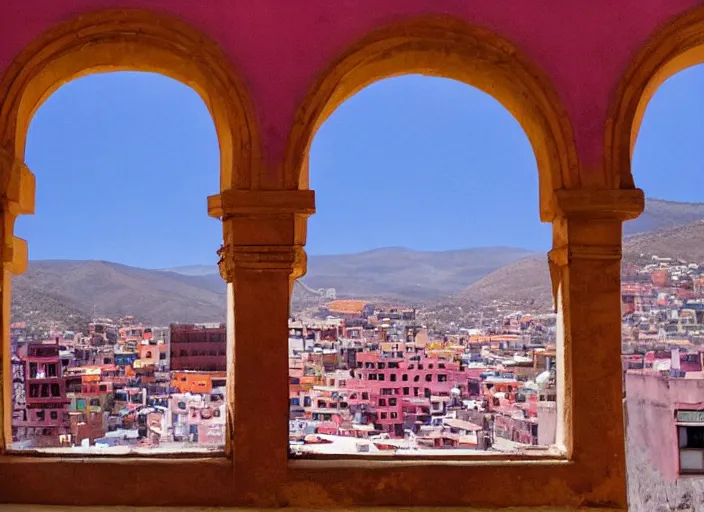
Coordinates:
<point>200,347</point>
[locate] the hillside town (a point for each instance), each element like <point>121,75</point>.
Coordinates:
<point>120,386</point>
<point>365,378</point>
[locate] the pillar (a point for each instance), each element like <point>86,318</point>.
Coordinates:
<point>264,234</point>
<point>17,195</point>
<point>585,265</point>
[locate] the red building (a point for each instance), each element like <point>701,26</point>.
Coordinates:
<point>201,347</point>
<point>47,415</point>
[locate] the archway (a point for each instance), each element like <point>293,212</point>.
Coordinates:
<point>448,48</point>
<point>107,41</point>
<point>134,40</point>
<point>675,47</point>
<point>662,291</point>
<point>395,239</point>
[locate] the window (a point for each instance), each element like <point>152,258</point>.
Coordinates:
<point>392,402</point>
<point>691,449</point>
<point>404,377</point>
<point>40,415</point>
<point>455,473</point>
<point>428,377</point>
<point>382,402</point>
<point>406,391</point>
<point>54,415</point>
<point>392,377</point>
<point>394,415</point>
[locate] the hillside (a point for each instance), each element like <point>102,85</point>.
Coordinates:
<point>660,214</point>
<point>110,289</point>
<point>529,279</point>
<point>684,242</point>
<point>399,273</point>
<point>396,272</point>
<point>77,290</point>
<point>525,281</point>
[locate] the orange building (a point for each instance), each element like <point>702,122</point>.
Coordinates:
<point>197,382</point>
<point>347,308</point>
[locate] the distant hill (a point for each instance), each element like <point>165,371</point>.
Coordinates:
<point>111,289</point>
<point>684,242</point>
<point>194,270</point>
<point>398,273</point>
<point>525,281</point>
<point>661,214</point>
<point>529,278</point>
<point>395,272</point>
<point>76,290</point>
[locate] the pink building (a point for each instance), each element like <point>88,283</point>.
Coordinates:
<point>46,418</point>
<point>666,422</point>
<point>401,389</point>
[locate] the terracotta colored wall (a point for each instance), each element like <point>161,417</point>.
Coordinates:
<point>280,48</point>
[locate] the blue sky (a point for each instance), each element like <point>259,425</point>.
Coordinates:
<point>125,161</point>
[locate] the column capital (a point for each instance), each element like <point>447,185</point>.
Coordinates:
<point>15,256</point>
<point>237,203</point>
<point>285,258</point>
<point>605,204</point>
<point>17,184</point>
<point>561,256</point>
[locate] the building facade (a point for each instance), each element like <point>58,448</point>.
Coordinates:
<point>200,347</point>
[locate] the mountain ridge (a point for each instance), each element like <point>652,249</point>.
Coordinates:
<point>78,289</point>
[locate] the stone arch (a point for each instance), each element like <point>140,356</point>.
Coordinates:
<point>675,47</point>
<point>446,47</point>
<point>133,40</point>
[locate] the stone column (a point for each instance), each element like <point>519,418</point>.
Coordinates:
<point>264,235</point>
<point>17,195</point>
<point>585,266</point>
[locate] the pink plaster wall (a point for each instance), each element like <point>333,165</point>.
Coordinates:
<point>651,401</point>
<point>281,46</point>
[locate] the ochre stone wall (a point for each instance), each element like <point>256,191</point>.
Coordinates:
<point>575,75</point>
